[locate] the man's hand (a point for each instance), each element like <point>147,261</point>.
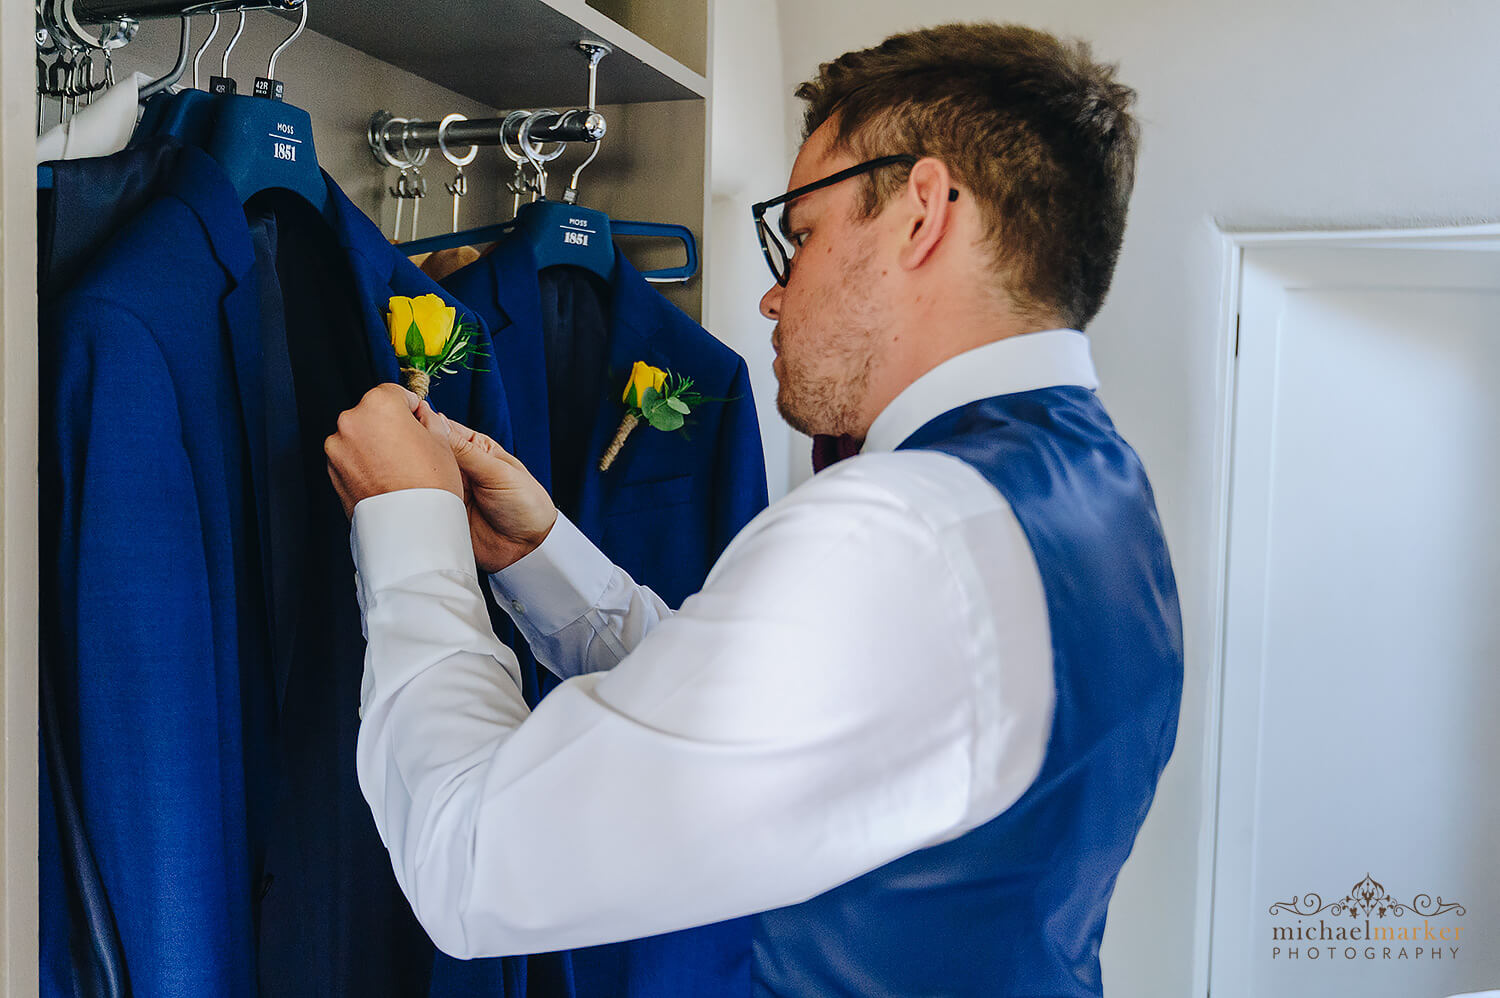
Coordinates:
<point>380,448</point>
<point>510,513</point>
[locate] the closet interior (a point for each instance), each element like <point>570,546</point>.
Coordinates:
<point>483,60</point>
<point>586,120</point>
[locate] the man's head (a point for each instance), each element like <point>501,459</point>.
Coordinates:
<point>891,276</point>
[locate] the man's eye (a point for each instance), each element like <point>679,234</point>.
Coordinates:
<point>798,238</point>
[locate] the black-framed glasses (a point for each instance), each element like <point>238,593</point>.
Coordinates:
<point>770,216</point>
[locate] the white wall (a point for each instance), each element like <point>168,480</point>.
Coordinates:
<point>750,162</point>
<point>1268,115</point>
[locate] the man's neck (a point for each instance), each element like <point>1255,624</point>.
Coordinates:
<point>920,346</point>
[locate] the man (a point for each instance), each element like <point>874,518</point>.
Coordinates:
<point>917,713</point>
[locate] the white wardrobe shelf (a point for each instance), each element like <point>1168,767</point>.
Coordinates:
<point>508,53</point>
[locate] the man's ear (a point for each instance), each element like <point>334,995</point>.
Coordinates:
<point>928,211</point>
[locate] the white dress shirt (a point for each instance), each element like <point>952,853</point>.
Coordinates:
<point>867,671</point>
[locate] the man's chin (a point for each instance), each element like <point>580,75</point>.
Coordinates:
<point>795,419</point>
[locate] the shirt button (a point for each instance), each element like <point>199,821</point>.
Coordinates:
<point>518,606</point>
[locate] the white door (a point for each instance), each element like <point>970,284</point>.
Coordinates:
<point>1358,837</point>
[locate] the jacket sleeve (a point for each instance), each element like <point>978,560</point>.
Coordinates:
<point>129,617</point>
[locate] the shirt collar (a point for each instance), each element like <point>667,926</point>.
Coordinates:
<point>1014,364</point>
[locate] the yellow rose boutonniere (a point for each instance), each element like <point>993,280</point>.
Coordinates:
<point>642,377</point>
<point>429,340</point>
<point>654,396</point>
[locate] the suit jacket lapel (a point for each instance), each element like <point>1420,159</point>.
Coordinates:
<point>478,398</point>
<point>372,261</point>
<point>520,354</point>
<point>632,320</point>
<point>269,429</point>
<point>272,434</point>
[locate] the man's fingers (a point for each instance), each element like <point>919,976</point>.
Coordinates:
<point>457,431</point>
<point>464,439</point>
<point>391,394</point>
<point>436,422</point>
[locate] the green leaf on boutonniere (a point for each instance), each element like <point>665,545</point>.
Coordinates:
<point>631,402</point>
<point>663,417</point>
<point>679,405</point>
<point>416,349</point>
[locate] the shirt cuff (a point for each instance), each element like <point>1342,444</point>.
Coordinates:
<point>557,583</point>
<point>399,535</point>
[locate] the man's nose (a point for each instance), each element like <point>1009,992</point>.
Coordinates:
<point>770,302</point>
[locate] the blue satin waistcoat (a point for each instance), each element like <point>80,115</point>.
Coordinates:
<point>1017,906</point>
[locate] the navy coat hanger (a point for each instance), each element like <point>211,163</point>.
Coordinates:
<point>564,233</point>
<point>261,142</point>
<point>572,235</point>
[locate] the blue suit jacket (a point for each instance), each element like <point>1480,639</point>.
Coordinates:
<point>664,512</point>
<point>199,621</point>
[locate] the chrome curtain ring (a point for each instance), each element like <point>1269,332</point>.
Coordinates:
<point>533,152</point>
<point>383,147</point>
<point>458,161</point>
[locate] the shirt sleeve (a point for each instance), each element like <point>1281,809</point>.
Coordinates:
<point>806,717</point>
<point>579,612</point>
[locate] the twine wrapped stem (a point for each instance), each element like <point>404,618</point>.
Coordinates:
<point>630,422</point>
<point>418,382</point>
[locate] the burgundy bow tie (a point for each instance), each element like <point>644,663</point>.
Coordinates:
<point>828,450</point>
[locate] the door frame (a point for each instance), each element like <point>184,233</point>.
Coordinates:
<point>19,582</point>
<point>1233,245</point>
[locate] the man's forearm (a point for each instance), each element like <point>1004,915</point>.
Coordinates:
<point>579,612</point>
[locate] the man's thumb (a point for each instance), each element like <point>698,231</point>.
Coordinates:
<point>475,458</point>
<point>436,422</point>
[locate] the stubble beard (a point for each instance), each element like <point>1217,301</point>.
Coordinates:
<point>823,394</point>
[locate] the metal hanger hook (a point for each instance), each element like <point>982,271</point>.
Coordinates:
<point>179,67</point>
<point>206,42</point>
<point>233,41</point>
<point>85,85</point>
<point>301,27</point>
<point>594,50</point>
<point>571,194</point>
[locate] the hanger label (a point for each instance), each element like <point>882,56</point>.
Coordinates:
<point>284,142</point>
<point>273,89</point>
<point>576,232</point>
<point>221,85</point>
